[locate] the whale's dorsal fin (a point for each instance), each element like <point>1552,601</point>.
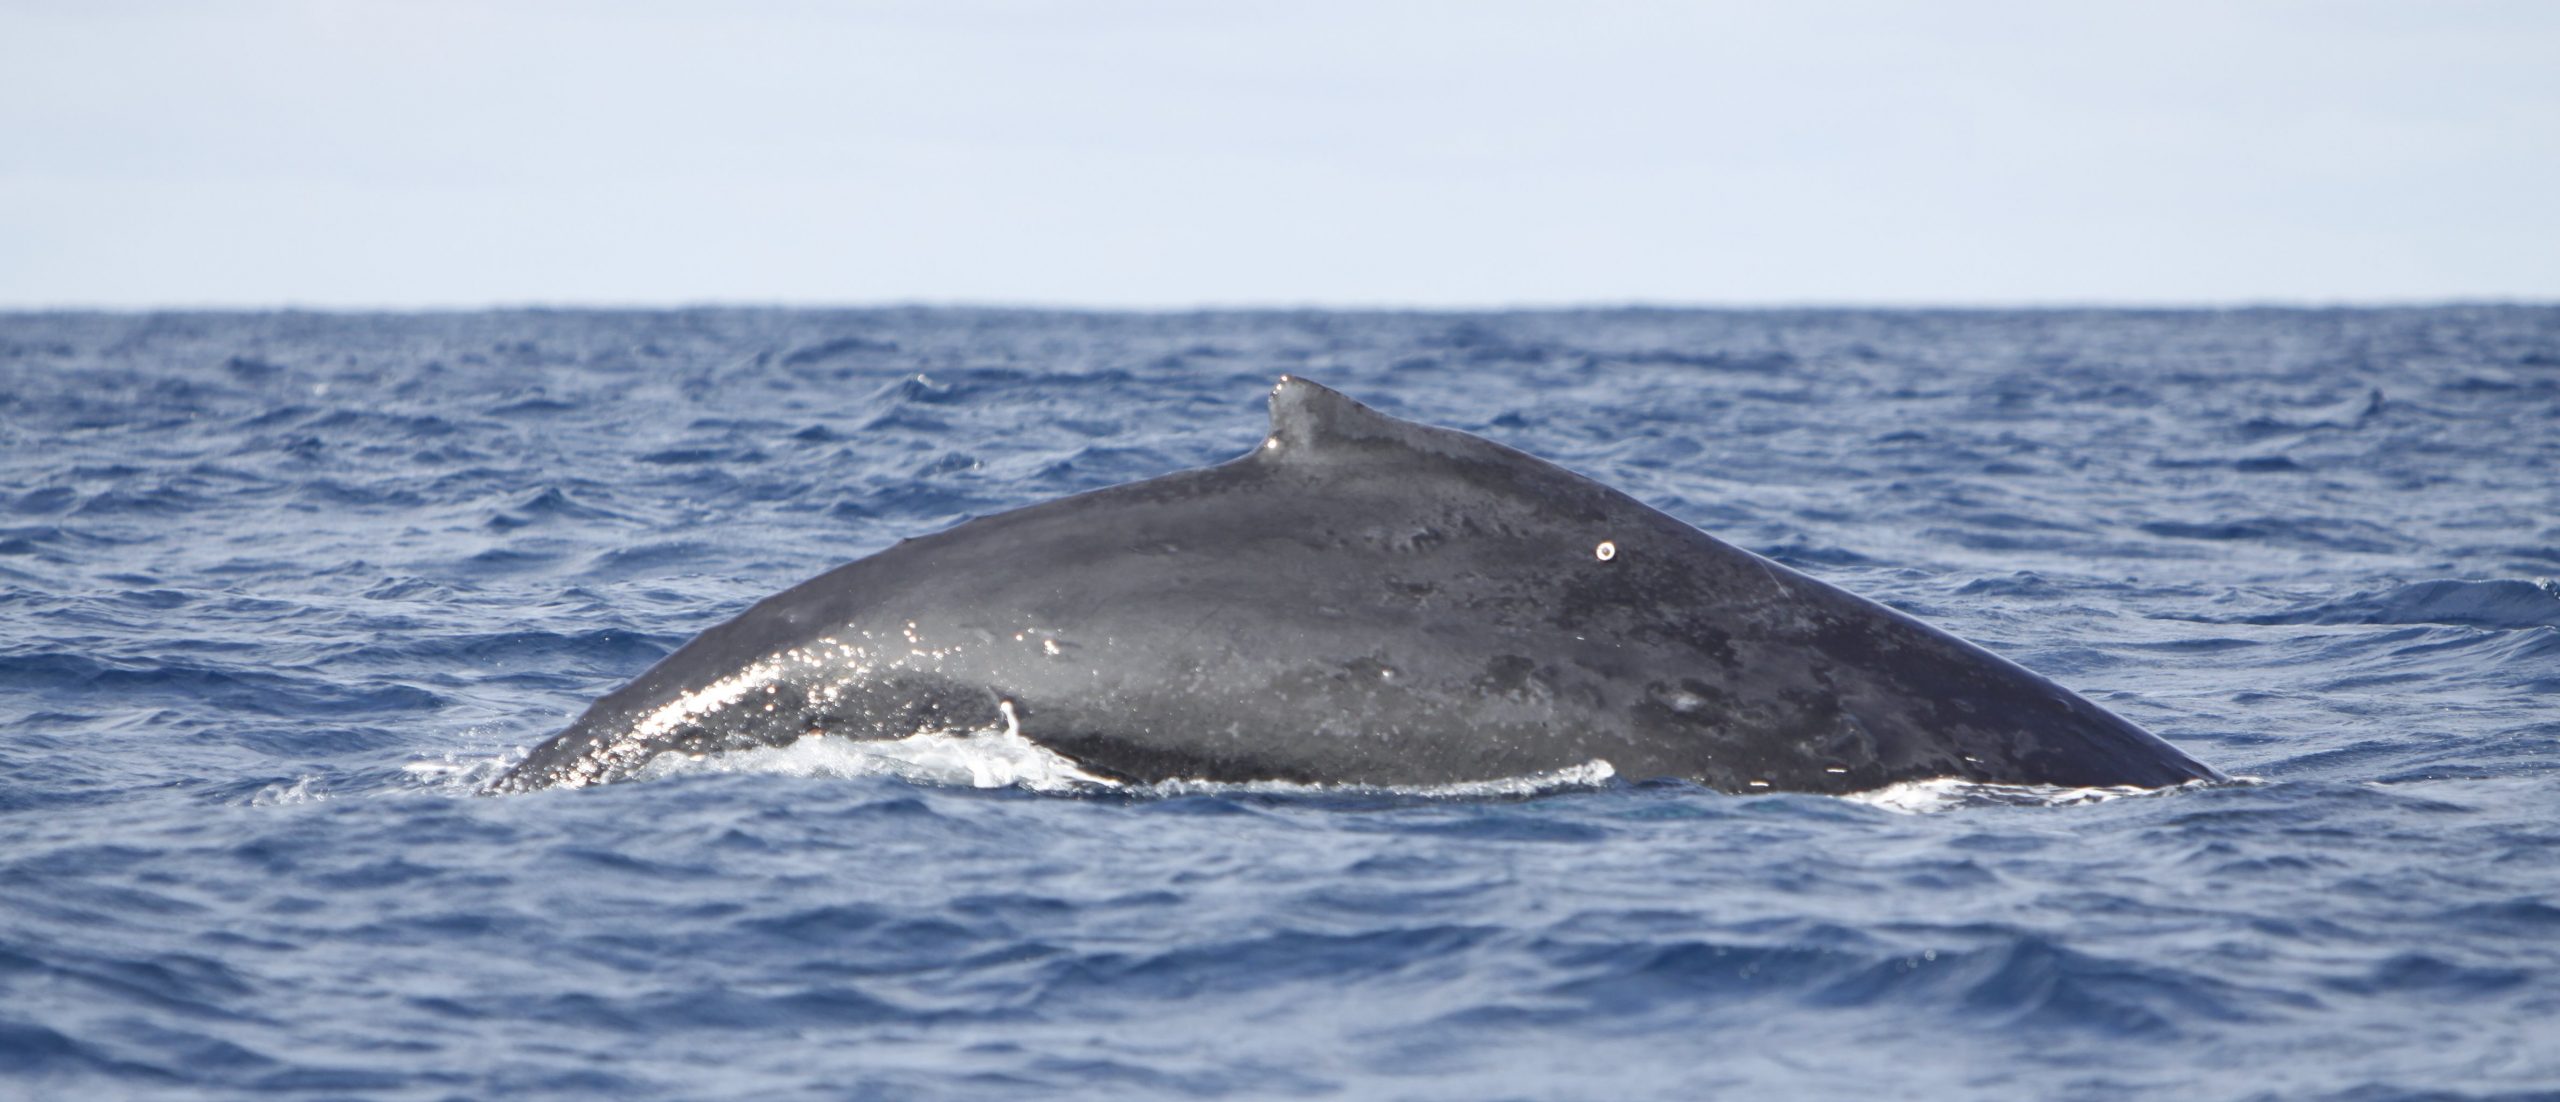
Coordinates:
<point>1319,432</point>
<point>1307,416</point>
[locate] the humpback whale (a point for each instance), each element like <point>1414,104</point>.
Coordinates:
<point>1362,600</point>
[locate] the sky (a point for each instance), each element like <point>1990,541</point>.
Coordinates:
<point>1172,155</point>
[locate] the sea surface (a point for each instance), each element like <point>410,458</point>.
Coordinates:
<point>279,591</point>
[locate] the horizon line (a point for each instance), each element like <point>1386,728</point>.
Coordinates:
<point>600,306</point>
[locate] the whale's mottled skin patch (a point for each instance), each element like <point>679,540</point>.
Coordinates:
<point>1361,599</point>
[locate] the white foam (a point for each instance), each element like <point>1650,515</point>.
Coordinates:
<point>1000,757</point>
<point>462,774</point>
<point>303,790</point>
<point>1596,773</point>
<point>987,758</point>
<point>1003,758</point>
<point>1950,793</point>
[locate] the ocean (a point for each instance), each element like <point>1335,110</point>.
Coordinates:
<point>280,591</point>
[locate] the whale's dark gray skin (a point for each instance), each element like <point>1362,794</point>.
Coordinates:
<point>1362,600</point>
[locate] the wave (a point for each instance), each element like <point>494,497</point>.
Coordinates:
<point>2012,978</point>
<point>2313,532</point>
<point>2503,604</point>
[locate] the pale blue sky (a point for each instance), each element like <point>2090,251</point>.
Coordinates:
<point>1175,154</point>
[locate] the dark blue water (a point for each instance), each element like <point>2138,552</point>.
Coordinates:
<point>277,590</point>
